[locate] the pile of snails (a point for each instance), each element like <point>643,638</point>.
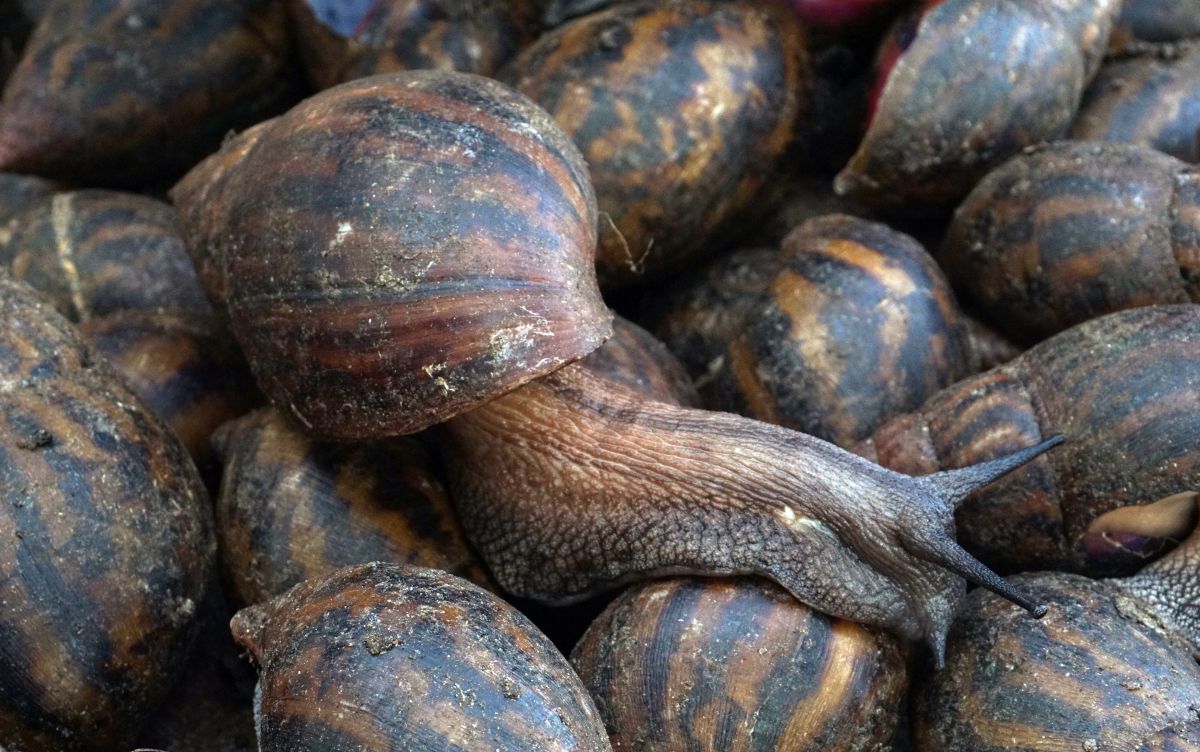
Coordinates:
<point>599,375</point>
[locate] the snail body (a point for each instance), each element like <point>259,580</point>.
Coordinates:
<point>652,486</point>
<point>1071,231</point>
<point>682,664</point>
<point>109,546</point>
<point>1125,386</point>
<point>971,84</point>
<point>680,109</point>
<point>382,655</point>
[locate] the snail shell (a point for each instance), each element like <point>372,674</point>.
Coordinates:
<point>399,249</point>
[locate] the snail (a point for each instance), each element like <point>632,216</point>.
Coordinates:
<point>1149,98</point>
<point>108,543</point>
<point>857,324</point>
<point>1125,387</point>
<point>134,92</point>
<point>1157,21</point>
<point>681,110</point>
<point>416,248</point>
<point>114,263</point>
<point>689,663</point>
<point>965,84</point>
<point>389,656</point>
<point>292,508</point>
<point>1071,231</point>
<point>340,42</point>
<point>1110,669</point>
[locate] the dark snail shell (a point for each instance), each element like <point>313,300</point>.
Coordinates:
<point>856,326</point>
<point>1098,672</point>
<point>1152,98</point>
<point>19,191</point>
<point>977,81</point>
<point>109,543</point>
<point>386,656</point>
<point>681,109</point>
<point>636,359</point>
<point>184,366</point>
<point>96,252</point>
<point>343,41</point>
<point>1158,20</point>
<point>1072,231</point>
<point>1124,387</point>
<point>399,249</point>
<point>134,92</point>
<point>292,508</point>
<point>688,664</point>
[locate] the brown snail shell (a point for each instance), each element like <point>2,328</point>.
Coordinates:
<point>681,109</point>
<point>1125,387</point>
<point>979,81</point>
<point>293,508</point>
<point>382,261</point>
<point>387,656</point>
<point>339,43</point>
<point>135,92</point>
<point>96,252</point>
<point>1099,672</point>
<point>684,664</point>
<point>1150,98</point>
<point>856,326</point>
<point>109,545</point>
<point>1071,231</point>
<point>636,359</point>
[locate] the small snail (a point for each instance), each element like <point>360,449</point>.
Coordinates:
<point>1149,98</point>
<point>857,325</point>
<point>1110,669</point>
<point>388,656</point>
<point>343,41</point>
<point>1158,20</point>
<point>1125,387</point>
<point>133,92</point>
<point>964,85</point>
<point>681,110</point>
<point>292,508</point>
<point>1071,231</point>
<point>114,263</point>
<point>108,545</point>
<point>412,248</point>
<point>684,664</point>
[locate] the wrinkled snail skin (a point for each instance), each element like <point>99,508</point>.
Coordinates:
<point>681,109</point>
<point>1149,98</point>
<point>108,549</point>
<point>347,271</point>
<point>293,508</point>
<point>654,488</point>
<point>339,43</point>
<point>684,664</point>
<point>1071,231</point>
<point>1124,387</point>
<point>1106,669</point>
<point>393,657</point>
<point>981,80</point>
